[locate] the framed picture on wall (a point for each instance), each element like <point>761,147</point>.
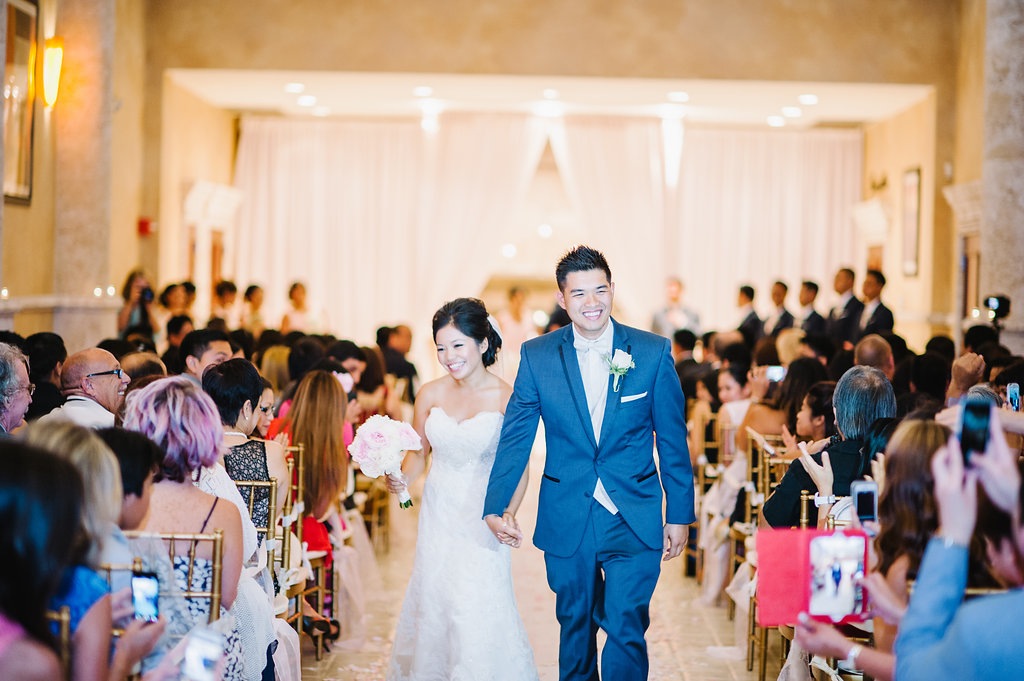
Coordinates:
<point>911,220</point>
<point>19,98</point>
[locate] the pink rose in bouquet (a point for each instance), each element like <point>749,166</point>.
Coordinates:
<point>380,445</point>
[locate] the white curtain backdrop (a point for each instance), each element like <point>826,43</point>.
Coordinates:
<point>383,220</point>
<point>756,206</point>
<point>613,170</point>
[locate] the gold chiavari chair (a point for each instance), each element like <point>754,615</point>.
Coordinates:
<point>316,585</point>
<point>62,618</point>
<point>268,527</point>
<point>191,541</point>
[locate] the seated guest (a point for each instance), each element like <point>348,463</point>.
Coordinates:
<point>687,368</point>
<point>734,395</point>
<point>142,364</point>
<point>862,395</point>
<point>15,388</point>
<point>237,389</point>
<point>203,348</point>
<point>82,587</point>
<point>789,344</point>
<point>875,351</point>
<point>770,416</point>
<point>178,327</point>
<point>183,422</point>
<point>94,384</point>
<point>40,511</point>
<point>816,419</point>
<point>943,346</point>
<point>46,354</point>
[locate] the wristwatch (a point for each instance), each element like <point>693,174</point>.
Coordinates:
<point>820,501</point>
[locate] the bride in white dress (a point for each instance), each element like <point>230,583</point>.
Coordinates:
<point>459,621</point>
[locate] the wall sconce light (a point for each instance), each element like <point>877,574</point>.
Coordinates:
<point>879,184</point>
<point>53,58</point>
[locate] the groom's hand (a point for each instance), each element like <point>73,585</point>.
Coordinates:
<point>505,533</point>
<point>675,540</point>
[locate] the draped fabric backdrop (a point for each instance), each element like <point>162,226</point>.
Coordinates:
<point>613,170</point>
<point>756,206</point>
<point>384,220</point>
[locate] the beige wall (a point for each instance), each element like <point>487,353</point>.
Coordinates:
<point>126,139</point>
<point>892,147</point>
<point>970,93</point>
<point>198,144</point>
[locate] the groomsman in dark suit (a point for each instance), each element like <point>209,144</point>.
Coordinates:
<point>780,318</point>
<point>810,321</point>
<point>844,319</point>
<point>876,317</point>
<point>750,326</point>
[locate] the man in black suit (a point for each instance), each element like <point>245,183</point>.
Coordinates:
<point>876,317</point>
<point>810,321</point>
<point>844,319</point>
<point>780,318</point>
<point>751,326</point>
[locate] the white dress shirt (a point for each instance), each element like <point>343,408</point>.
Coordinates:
<point>82,411</point>
<point>593,356</point>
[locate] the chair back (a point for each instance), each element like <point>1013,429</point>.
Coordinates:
<point>63,619</point>
<point>806,498</point>
<point>263,526</point>
<point>285,554</point>
<point>175,542</point>
<point>297,489</point>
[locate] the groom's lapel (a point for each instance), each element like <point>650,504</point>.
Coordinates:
<point>611,405</point>
<point>571,367</point>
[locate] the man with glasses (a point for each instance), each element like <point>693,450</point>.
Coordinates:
<point>94,384</point>
<point>15,389</point>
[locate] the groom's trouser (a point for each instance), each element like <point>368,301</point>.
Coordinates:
<point>607,583</point>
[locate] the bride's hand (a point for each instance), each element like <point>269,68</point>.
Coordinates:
<point>503,531</point>
<point>514,533</point>
<point>396,482</point>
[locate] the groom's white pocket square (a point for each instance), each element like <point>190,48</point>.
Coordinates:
<point>630,398</point>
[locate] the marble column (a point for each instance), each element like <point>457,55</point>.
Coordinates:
<point>83,167</point>
<point>1002,234</point>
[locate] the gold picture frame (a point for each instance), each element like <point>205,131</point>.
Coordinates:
<point>22,50</point>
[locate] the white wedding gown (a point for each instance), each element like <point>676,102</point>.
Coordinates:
<point>459,621</point>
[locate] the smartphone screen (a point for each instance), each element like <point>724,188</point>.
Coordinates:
<point>775,373</point>
<point>1013,396</point>
<point>837,564</point>
<point>974,427</point>
<point>866,505</point>
<point>146,596</point>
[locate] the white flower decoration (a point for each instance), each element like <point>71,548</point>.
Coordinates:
<point>618,364</point>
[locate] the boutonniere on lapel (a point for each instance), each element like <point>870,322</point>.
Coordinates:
<point>618,364</point>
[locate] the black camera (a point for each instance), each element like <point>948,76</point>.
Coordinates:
<point>146,295</point>
<point>998,306</point>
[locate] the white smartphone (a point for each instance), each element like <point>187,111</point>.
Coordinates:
<point>865,499</point>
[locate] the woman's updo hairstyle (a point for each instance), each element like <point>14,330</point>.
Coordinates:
<point>470,317</point>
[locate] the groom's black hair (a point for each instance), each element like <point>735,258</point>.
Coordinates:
<point>580,259</point>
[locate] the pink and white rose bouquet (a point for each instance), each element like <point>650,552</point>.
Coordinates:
<point>380,445</point>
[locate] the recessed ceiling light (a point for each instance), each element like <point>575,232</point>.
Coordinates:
<point>791,111</point>
<point>808,100</point>
<point>550,93</point>
<point>678,96</point>
<point>509,250</point>
<point>423,91</point>
<point>294,88</point>
<point>544,230</point>
<point>321,111</point>
<point>776,121</point>
<point>306,100</point>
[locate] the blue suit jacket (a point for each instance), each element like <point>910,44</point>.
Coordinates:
<point>649,401</point>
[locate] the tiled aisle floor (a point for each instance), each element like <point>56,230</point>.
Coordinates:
<point>678,638</point>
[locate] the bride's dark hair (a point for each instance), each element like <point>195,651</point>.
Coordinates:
<point>470,317</point>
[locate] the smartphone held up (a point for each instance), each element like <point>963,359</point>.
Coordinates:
<point>972,430</point>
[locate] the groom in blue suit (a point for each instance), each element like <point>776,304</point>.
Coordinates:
<point>600,521</point>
